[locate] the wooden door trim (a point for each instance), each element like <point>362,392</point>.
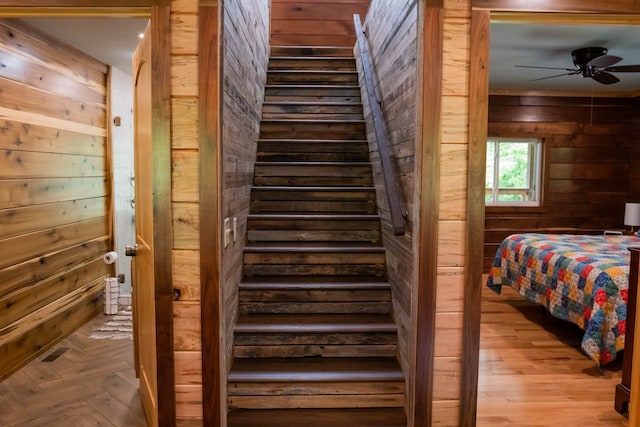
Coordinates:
<point>162,229</point>
<point>478,123</point>
<point>159,12</point>
<point>210,148</point>
<point>431,27</point>
<point>478,114</point>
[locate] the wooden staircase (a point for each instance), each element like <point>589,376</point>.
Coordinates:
<point>315,343</point>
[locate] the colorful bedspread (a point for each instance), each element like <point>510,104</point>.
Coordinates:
<point>582,279</point>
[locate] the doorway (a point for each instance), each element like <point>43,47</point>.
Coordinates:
<point>161,181</point>
<point>480,53</point>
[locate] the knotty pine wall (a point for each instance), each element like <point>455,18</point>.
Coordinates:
<point>185,263</point>
<point>588,163</point>
<point>315,22</point>
<point>245,71</point>
<point>391,29</point>
<point>54,191</point>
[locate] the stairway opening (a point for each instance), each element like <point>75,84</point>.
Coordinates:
<point>315,342</point>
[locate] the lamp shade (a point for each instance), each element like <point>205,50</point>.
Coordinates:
<point>632,214</point>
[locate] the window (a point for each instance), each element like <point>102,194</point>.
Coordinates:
<point>513,172</point>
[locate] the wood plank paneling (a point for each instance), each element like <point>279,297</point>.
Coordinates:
<point>391,31</point>
<point>315,23</point>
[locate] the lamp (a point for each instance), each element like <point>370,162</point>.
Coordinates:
<point>632,215</point>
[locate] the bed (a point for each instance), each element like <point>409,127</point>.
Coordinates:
<point>578,278</point>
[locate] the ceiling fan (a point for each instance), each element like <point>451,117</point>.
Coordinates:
<point>594,63</point>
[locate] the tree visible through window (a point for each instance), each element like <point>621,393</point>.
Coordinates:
<point>513,172</point>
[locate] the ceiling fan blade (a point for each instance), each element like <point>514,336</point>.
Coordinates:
<point>624,69</point>
<point>604,61</point>
<point>605,78</point>
<point>556,75</point>
<point>545,68</point>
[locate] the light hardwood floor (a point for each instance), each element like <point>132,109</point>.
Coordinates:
<point>533,373</point>
<point>92,383</point>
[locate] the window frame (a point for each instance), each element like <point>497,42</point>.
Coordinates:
<point>534,177</point>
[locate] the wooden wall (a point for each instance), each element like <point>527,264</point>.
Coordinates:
<point>245,71</point>
<point>391,29</point>
<point>245,60</point>
<point>588,158</point>
<point>185,207</point>
<point>315,22</point>
<point>54,191</point>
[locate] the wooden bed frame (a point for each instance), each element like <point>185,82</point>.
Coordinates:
<point>623,390</point>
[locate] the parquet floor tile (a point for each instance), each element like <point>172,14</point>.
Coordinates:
<point>92,383</point>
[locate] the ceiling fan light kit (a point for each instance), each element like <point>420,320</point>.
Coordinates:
<point>594,63</point>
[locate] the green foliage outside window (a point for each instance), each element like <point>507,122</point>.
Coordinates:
<point>512,166</point>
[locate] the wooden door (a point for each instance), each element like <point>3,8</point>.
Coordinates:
<point>143,268</point>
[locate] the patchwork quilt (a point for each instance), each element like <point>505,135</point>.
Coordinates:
<point>578,278</point>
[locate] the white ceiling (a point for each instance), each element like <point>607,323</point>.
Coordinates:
<point>113,40</point>
<point>550,45</point>
<point>110,40</point>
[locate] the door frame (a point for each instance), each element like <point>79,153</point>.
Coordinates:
<point>210,92</point>
<point>159,12</point>
<point>582,11</point>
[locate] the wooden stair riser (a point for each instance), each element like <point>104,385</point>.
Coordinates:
<point>302,235</point>
<point>336,63</point>
<point>302,77</point>
<point>346,339</point>
<point>252,270</point>
<point>311,350</point>
<point>317,193</point>
<point>314,295</point>
<point>305,129</point>
<point>302,307</point>
<point>379,417</point>
<point>318,401</point>
<point>314,258</point>
<point>312,150</point>
<point>305,206</point>
<point>310,93</point>
<point>317,51</point>
<point>300,388</point>
<point>294,228</point>
<point>313,174</point>
<point>307,110</point>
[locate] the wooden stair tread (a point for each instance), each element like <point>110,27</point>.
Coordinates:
<point>292,323</point>
<point>310,283</point>
<point>312,86</point>
<point>310,164</point>
<point>336,247</point>
<point>311,51</point>
<point>356,417</point>
<point>313,121</point>
<point>333,188</point>
<point>320,103</point>
<point>314,216</point>
<point>315,369</point>
<point>285,141</point>
<point>329,72</point>
<point>312,58</point>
